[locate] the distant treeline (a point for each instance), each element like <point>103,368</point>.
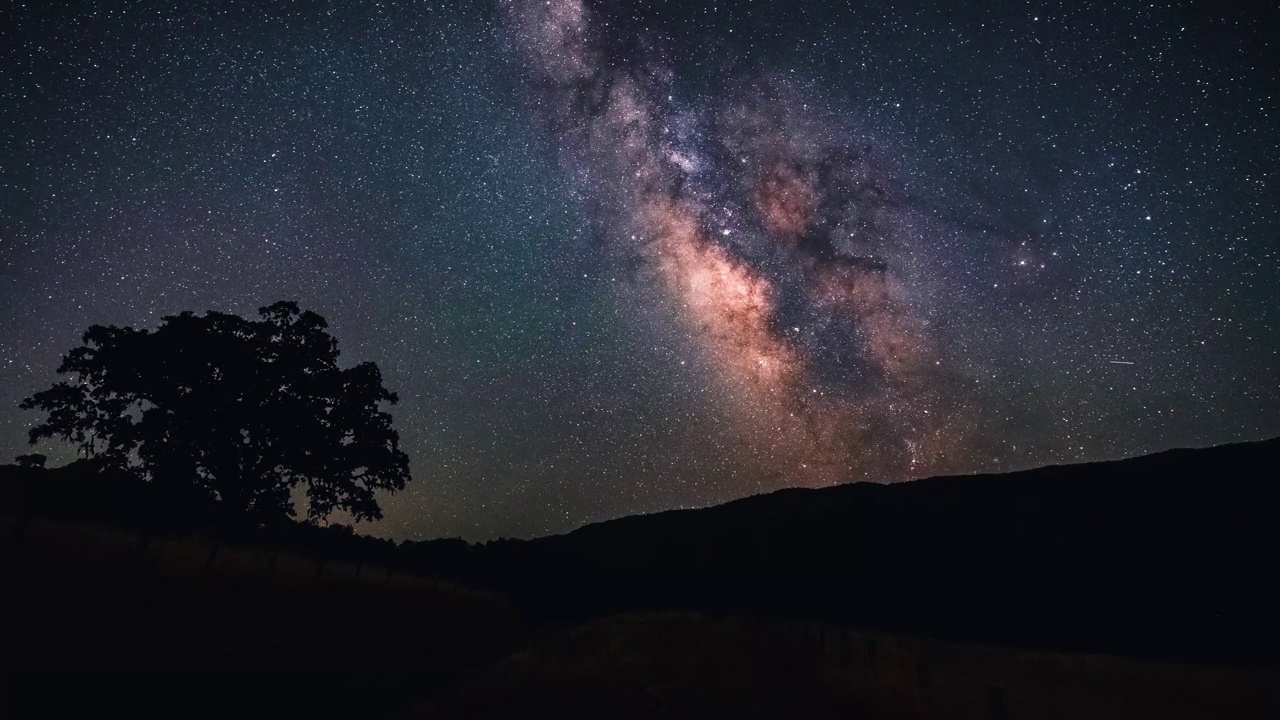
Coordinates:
<point>85,492</point>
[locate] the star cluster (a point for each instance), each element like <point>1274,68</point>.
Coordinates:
<point>619,257</point>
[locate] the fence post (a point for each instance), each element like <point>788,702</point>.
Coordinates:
<point>995,704</point>
<point>22,533</point>
<point>144,542</point>
<point>213,555</point>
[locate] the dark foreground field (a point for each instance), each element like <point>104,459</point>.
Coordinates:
<point>255,655</point>
<point>210,648</point>
<point>1141,588</point>
<point>695,666</point>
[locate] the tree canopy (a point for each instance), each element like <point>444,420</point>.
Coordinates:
<point>231,410</point>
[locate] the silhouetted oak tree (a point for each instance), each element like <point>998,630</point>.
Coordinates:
<point>239,411</point>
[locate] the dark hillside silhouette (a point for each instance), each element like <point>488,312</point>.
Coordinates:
<point>1170,555</point>
<point>220,409</point>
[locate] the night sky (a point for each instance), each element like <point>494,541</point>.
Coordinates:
<point>620,257</point>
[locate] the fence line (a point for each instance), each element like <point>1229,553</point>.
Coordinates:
<point>40,543</point>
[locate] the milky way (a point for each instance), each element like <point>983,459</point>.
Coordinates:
<point>775,232</point>
<point>624,256</point>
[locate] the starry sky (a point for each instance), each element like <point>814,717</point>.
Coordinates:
<point>620,257</point>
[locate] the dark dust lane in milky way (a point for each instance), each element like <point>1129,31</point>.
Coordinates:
<point>777,235</point>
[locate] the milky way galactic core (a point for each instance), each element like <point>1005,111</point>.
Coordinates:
<point>627,256</point>
<point>778,234</point>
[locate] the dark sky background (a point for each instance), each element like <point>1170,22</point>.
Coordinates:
<point>620,257</point>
